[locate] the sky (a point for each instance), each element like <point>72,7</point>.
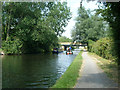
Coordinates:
<point>74,5</point>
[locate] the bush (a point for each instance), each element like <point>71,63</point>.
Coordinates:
<point>90,45</point>
<point>12,46</point>
<point>103,47</point>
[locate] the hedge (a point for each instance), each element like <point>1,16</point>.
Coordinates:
<point>12,47</point>
<point>103,47</point>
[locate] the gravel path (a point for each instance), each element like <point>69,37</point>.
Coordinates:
<point>92,76</point>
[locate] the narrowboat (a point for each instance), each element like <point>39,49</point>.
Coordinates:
<point>56,51</point>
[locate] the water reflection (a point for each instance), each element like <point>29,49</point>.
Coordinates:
<point>34,70</point>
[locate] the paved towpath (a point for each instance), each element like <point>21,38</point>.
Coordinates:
<point>92,76</point>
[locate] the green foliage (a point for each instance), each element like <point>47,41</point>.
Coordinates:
<point>103,48</point>
<point>0,49</point>
<point>90,45</point>
<point>64,39</point>
<point>37,25</point>
<point>12,47</point>
<point>73,47</point>
<point>110,12</point>
<point>88,27</point>
<point>69,78</point>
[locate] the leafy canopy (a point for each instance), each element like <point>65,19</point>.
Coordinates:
<point>36,24</point>
<point>87,27</point>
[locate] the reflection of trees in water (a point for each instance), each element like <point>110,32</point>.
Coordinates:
<point>34,70</point>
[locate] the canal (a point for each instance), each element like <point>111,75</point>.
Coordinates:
<point>34,70</point>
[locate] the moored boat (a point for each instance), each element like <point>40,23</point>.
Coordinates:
<point>56,50</point>
<point>67,53</point>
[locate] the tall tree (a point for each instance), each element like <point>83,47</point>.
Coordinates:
<point>37,25</point>
<point>87,27</point>
<point>110,12</point>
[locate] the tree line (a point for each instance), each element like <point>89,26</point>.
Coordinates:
<point>64,39</point>
<point>31,27</point>
<point>88,27</point>
<point>99,30</point>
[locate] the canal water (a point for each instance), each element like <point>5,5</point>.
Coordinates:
<point>34,70</point>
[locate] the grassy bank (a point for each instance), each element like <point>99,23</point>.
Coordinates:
<point>109,67</point>
<point>0,49</point>
<point>69,78</point>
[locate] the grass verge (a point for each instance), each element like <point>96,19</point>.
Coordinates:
<point>69,78</point>
<point>0,49</point>
<point>108,66</point>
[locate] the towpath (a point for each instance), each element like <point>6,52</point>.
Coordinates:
<point>91,76</point>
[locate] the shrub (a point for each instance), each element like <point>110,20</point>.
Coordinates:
<point>90,44</point>
<point>12,46</point>
<point>103,47</point>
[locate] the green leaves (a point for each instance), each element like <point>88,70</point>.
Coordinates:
<point>110,13</point>
<point>12,47</point>
<point>88,27</point>
<point>37,25</point>
<point>64,39</point>
<point>103,47</point>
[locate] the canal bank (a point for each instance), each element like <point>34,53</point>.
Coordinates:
<point>69,78</point>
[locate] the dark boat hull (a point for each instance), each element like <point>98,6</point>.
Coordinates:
<point>56,52</point>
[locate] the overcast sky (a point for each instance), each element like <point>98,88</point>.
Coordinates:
<point>74,5</point>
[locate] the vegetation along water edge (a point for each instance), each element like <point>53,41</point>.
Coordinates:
<point>69,78</point>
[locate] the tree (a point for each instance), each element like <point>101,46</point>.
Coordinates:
<point>110,12</point>
<point>64,39</point>
<point>36,25</point>
<point>87,27</point>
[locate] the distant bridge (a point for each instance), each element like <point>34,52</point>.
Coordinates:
<point>68,44</point>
